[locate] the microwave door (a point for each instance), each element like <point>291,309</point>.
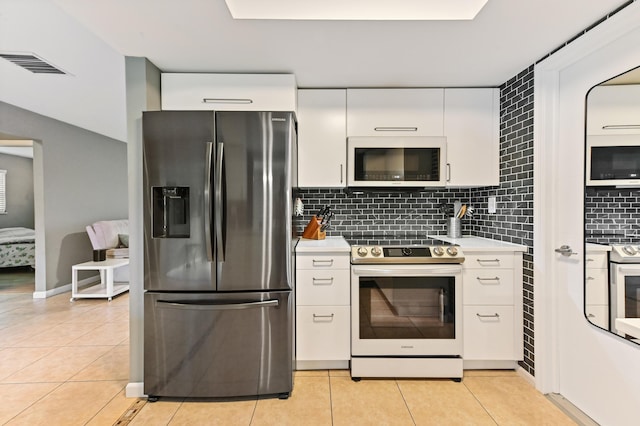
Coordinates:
<point>396,161</point>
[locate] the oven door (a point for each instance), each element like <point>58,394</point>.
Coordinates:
<point>625,292</point>
<point>406,310</point>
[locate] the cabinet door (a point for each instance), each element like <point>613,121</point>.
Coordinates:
<point>323,333</point>
<point>471,125</point>
<point>228,92</point>
<point>489,333</point>
<point>322,140</point>
<point>613,110</point>
<point>393,112</point>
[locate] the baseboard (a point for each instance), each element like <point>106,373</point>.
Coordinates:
<point>571,410</point>
<point>63,288</point>
<point>526,375</point>
<point>135,390</point>
<point>322,365</point>
<point>489,365</point>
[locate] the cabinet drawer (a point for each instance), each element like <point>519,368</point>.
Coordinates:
<point>323,261</point>
<point>323,333</point>
<point>487,287</point>
<point>323,287</point>
<point>596,260</point>
<point>596,287</point>
<point>489,333</point>
<point>598,315</point>
<point>488,260</point>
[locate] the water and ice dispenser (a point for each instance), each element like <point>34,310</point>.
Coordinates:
<point>171,212</point>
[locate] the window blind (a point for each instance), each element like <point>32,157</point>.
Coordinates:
<point>3,192</point>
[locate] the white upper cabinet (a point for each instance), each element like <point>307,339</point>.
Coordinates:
<point>471,126</point>
<point>388,112</point>
<point>228,92</point>
<point>322,148</point>
<point>614,110</point>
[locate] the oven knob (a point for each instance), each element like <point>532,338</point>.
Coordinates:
<point>406,251</point>
<point>376,251</point>
<point>630,250</point>
<point>438,251</point>
<point>452,251</point>
<point>362,251</point>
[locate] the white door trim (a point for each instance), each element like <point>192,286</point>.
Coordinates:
<point>546,125</point>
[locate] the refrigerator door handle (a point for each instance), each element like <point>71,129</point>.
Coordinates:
<point>218,202</point>
<point>207,201</point>
<point>199,306</point>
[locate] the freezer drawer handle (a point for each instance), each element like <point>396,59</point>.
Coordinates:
<point>216,307</point>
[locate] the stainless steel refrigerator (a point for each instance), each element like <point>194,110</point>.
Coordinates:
<point>218,262</point>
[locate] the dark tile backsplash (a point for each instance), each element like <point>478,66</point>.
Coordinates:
<point>611,215</point>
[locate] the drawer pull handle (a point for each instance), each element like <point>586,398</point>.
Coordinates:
<point>488,316</point>
<point>590,260</point>
<point>323,316</point>
<point>590,278</point>
<point>322,262</point>
<point>480,261</point>
<point>591,316</point>
<point>488,279</point>
<point>322,281</point>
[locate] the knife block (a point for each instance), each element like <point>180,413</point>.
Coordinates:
<point>312,230</point>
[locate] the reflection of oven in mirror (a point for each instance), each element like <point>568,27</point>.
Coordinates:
<point>612,200</point>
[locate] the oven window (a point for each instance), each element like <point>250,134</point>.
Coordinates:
<point>407,307</point>
<point>632,296</point>
<point>397,164</point>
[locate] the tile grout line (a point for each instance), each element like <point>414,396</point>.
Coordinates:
<point>405,401</point>
<point>330,397</point>
<point>36,401</point>
<point>480,402</point>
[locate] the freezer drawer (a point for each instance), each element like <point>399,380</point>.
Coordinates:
<point>218,344</point>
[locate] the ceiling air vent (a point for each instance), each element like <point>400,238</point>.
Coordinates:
<point>31,63</point>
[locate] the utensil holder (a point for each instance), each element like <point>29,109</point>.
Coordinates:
<point>312,230</point>
<point>454,227</point>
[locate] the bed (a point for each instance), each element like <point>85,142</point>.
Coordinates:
<point>17,247</point>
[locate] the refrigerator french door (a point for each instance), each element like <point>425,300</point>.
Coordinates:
<point>218,265</point>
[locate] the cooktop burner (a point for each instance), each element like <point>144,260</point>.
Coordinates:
<point>391,239</point>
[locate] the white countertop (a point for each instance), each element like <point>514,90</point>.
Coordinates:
<point>328,245</point>
<point>630,326</point>
<point>597,247</point>
<point>486,244</point>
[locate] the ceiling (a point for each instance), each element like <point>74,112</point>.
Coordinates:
<point>200,36</point>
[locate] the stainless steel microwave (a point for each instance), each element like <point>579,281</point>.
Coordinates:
<point>403,161</point>
<point>613,160</point>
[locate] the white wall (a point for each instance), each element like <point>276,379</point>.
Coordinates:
<point>595,370</point>
<point>79,177</point>
<point>92,96</point>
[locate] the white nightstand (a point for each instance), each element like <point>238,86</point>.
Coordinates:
<point>106,287</point>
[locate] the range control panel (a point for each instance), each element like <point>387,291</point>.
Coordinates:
<point>406,254</point>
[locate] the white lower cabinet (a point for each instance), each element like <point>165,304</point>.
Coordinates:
<point>492,309</point>
<point>323,304</point>
<point>596,285</point>
<point>323,334</point>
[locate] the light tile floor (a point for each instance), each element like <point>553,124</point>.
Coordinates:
<point>64,363</point>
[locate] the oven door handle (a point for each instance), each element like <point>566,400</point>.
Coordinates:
<point>632,270</point>
<point>425,272</point>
